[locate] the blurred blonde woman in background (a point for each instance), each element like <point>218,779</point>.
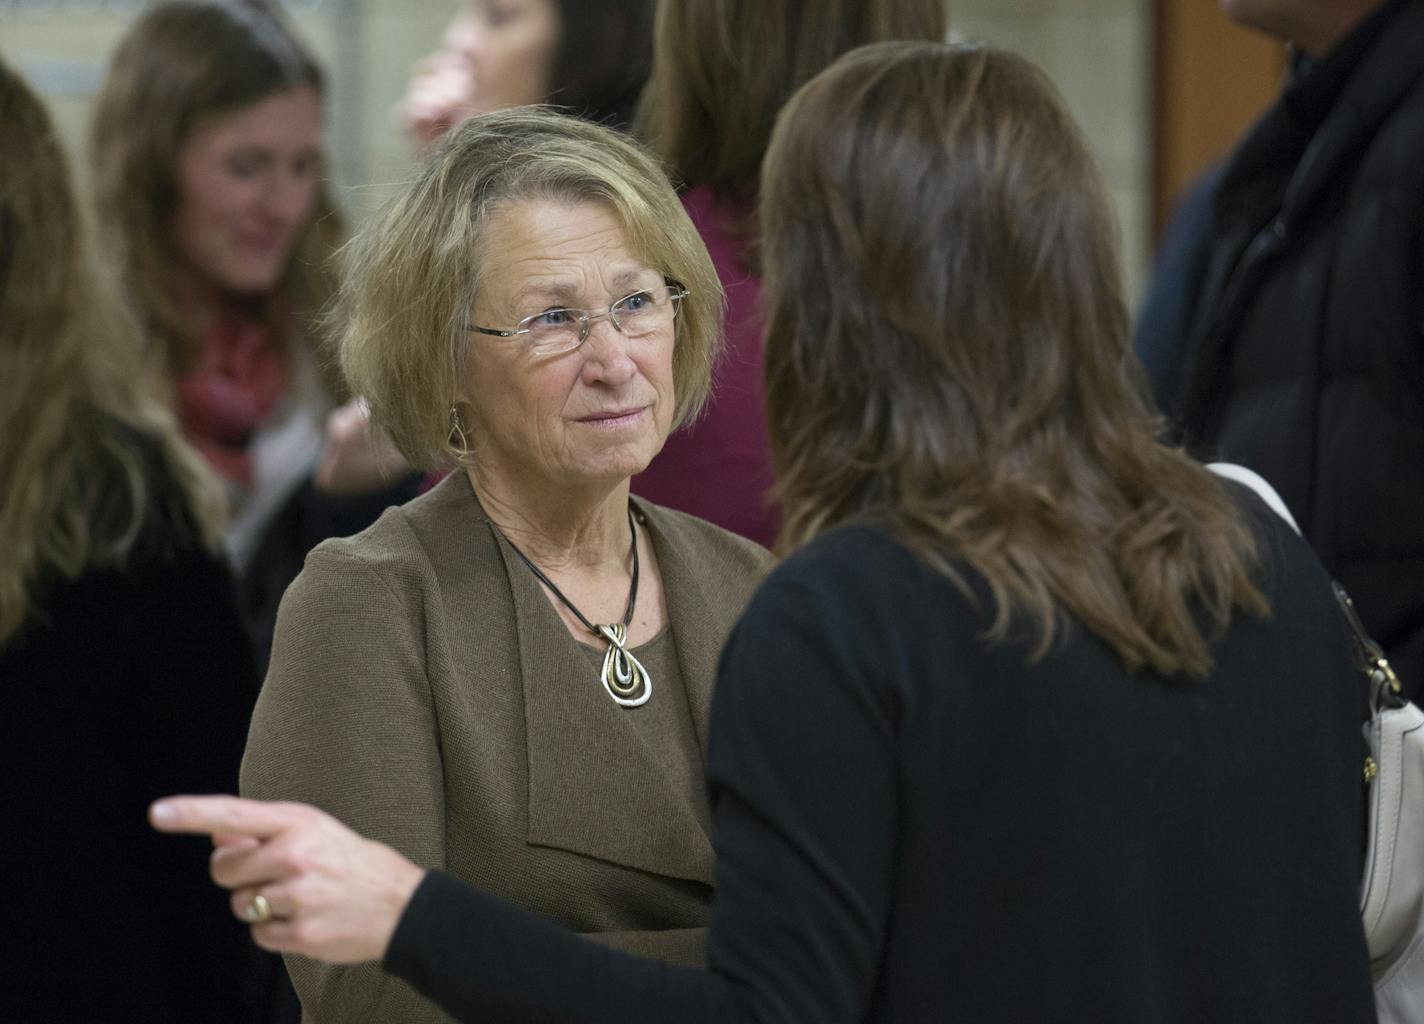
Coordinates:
<point>123,663</point>
<point>211,190</point>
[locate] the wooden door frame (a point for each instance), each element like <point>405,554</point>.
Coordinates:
<point>1211,79</point>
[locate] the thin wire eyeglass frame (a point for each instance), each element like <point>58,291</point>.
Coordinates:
<point>584,319</point>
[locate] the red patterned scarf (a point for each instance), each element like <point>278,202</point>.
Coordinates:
<point>239,377</point>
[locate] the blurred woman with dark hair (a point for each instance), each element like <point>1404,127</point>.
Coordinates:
<point>209,178</point>
<point>123,661</point>
<point>721,71</point>
<point>588,57</point>
<point>1041,721</point>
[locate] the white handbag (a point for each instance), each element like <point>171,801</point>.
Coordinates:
<point>1392,892</point>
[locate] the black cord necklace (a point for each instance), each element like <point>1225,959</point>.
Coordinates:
<point>623,675</point>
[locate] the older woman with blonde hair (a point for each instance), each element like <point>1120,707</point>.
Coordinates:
<point>508,679</point>
<point>1011,736</point>
<point>123,663</point>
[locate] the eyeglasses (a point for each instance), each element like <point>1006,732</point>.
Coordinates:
<point>556,331</point>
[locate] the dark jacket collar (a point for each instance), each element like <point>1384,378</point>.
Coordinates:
<point>1327,114</point>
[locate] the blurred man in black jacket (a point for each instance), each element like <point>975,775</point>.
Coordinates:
<point>1305,358</point>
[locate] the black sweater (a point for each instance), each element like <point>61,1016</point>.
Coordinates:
<point>124,685</point>
<point>914,825</point>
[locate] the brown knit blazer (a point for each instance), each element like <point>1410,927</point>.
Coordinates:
<point>419,693</point>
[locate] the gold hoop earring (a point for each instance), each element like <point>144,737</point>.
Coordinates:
<point>458,441</point>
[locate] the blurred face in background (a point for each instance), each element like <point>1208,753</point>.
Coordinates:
<point>495,54</point>
<point>1274,17</point>
<point>1315,26</point>
<point>247,183</point>
<point>509,46</point>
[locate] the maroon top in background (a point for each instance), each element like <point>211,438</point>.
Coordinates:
<point>719,468</point>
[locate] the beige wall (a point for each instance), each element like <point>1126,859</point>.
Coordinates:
<point>1096,50</point>
<point>1215,79</point>
<point>1099,53</point>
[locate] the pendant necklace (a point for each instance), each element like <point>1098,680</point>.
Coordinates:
<point>623,675</point>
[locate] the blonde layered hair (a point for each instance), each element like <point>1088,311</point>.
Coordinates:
<point>183,63</point>
<point>414,272</point>
<point>79,425</point>
<point>947,352</point>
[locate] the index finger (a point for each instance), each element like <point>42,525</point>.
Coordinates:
<point>226,815</point>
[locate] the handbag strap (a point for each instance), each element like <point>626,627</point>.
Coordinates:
<point>1384,688</point>
<point>1257,483</point>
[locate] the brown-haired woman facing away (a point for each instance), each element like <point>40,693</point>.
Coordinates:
<point>123,663</point>
<point>208,173</point>
<point>1040,722</point>
<point>721,71</point>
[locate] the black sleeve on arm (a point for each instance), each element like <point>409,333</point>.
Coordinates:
<point>804,785</point>
<point>482,958</point>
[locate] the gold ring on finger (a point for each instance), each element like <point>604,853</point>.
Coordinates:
<point>257,910</point>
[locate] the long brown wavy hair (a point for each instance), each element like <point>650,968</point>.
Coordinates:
<point>723,68</point>
<point>182,62</point>
<point>80,426</point>
<point>947,352</point>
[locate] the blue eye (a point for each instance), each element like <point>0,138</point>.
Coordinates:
<point>552,318</point>
<point>637,302</point>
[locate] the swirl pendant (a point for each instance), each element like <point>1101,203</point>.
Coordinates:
<point>623,675</point>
